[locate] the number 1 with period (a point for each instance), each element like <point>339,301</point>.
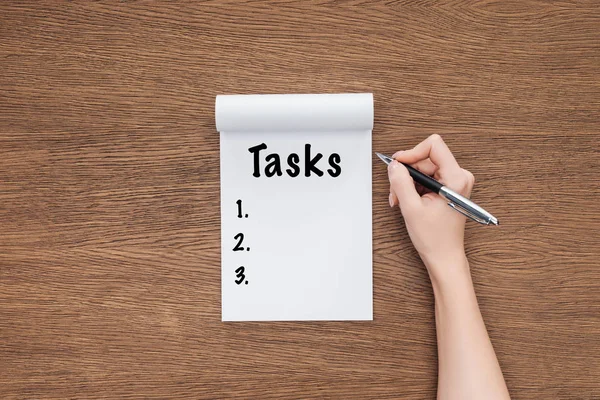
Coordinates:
<point>239,204</point>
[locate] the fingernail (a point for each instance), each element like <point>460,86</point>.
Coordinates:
<point>393,164</point>
<point>391,200</point>
<point>397,154</point>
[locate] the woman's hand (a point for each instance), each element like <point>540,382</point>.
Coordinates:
<point>468,367</point>
<point>436,230</point>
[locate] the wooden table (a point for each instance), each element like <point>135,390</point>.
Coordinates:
<point>109,193</point>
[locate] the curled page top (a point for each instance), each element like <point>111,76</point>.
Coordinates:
<point>294,112</point>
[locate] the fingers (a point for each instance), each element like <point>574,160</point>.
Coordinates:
<point>393,198</point>
<point>433,148</point>
<point>420,190</point>
<point>403,186</point>
<point>468,183</point>
<point>433,157</point>
<point>461,182</point>
<point>426,167</point>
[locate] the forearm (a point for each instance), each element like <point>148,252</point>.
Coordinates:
<point>468,367</point>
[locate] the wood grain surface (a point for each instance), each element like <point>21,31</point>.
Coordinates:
<point>109,193</point>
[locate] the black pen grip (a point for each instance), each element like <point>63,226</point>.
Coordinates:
<point>424,180</point>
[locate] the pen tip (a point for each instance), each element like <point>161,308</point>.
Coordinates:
<point>383,158</point>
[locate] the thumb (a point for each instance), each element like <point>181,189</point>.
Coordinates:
<point>403,185</point>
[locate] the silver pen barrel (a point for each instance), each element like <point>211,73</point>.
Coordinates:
<point>467,207</point>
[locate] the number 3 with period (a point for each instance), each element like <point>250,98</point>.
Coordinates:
<point>240,275</point>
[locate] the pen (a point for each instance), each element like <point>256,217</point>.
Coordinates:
<point>455,200</point>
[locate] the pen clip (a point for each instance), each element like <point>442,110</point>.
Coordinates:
<point>468,214</point>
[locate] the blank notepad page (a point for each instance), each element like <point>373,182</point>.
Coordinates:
<point>296,229</point>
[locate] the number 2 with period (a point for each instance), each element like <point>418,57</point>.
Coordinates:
<point>238,246</point>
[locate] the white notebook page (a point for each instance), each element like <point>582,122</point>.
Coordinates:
<point>296,247</point>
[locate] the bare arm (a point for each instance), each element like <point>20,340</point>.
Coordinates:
<point>468,367</point>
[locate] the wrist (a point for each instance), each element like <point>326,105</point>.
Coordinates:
<point>450,274</point>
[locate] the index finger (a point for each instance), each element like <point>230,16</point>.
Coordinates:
<point>433,148</point>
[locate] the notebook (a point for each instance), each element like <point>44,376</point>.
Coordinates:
<point>296,224</point>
